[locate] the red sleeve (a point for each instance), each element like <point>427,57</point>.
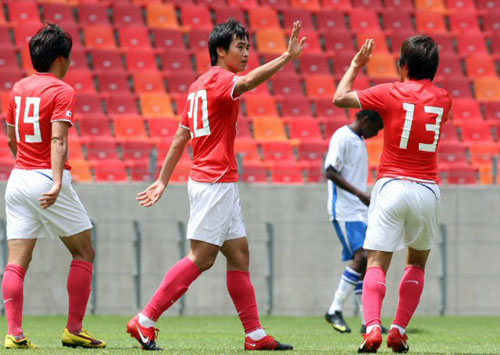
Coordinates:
<point>184,123</point>
<point>11,110</point>
<point>375,98</point>
<point>225,85</point>
<point>64,104</point>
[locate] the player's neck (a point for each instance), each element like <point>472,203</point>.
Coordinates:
<point>355,127</point>
<point>223,65</point>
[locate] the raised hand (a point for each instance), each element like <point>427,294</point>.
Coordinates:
<point>364,55</point>
<point>294,45</point>
<point>151,195</point>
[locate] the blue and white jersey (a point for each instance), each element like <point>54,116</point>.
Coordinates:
<point>347,154</point>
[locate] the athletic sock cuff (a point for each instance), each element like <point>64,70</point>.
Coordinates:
<point>17,269</point>
<point>83,265</point>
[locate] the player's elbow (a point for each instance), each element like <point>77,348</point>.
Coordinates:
<point>243,85</point>
<point>340,100</point>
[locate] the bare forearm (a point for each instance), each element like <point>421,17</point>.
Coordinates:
<point>171,160</point>
<point>341,182</point>
<point>345,86</point>
<point>58,153</point>
<point>13,147</point>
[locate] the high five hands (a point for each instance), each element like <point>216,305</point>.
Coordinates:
<point>364,55</point>
<point>294,45</point>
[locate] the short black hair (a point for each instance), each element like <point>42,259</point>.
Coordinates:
<point>420,54</point>
<point>48,44</point>
<point>373,116</point>
<point>222,35</point>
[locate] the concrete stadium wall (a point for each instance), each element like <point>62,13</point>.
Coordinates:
<point>307,253</point>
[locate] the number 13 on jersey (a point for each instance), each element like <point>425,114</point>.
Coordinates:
<point>431,127</point>
<point>194,100</point>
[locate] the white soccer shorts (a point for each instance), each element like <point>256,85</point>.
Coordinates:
<point>27,220</point>
<point>215,214</point>
<point>402,213</point>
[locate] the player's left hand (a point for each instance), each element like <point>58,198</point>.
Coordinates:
<point>151,195</point>
<point>364,55</point>
<point>294,45</point>
<point>50,197</point>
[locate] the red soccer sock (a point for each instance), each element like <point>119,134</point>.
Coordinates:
<point>13,297</point>
<point>242,293</point>
<point>373,295</point>
<point>175,283</point>
<point>410,290</point>
<point>79,285</point>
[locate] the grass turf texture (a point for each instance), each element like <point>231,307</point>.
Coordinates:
<point>309,335</point>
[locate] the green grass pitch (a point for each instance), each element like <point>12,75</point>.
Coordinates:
<point>309,335</point>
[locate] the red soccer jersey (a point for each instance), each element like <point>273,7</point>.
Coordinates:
<point>34,103</point>
<point>211,113</point>
<point>413,113</point>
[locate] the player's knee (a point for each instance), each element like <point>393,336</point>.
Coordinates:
<point>86,254</point>
<point>204,263</point>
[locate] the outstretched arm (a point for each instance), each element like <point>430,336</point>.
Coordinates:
<point>344,96</point>
<point>264,72</point>
<point>340,181</point>
<point>153,193</point>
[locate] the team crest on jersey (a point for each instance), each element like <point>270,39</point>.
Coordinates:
<point>69,113</point>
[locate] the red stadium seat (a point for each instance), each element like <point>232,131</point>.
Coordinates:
<point>261,106</point>
<point>341,5</point>
<point>461,5</point>
<point>397,20</point>
<point>313,43</point>
<point>244,4</point>
<point>444,42</point>
<point>243,128</point>
<point>80,80</point>
<point>169,39</point>
<point>333,123</point>
<point>295,106</point>
<point>370,4</point>
<point>24,32</point>
<point>284,85</point>
<point>287,172</point>
<point>130,127</point>
<point>62,14</point>
<point>134,37</point>
<point>140,59</point>
<point>319,86</point>
<point>302,15</point>
<point>112,170</point>
<point>254,173</point>
<point>471,43</point>
<point>342,62</point>
<point>491,21</point>
<point>121,103</point>
<point>180,82</point>
<point>465,110</point>
<point>492,111</point>
<point>8,58</point>
<point>88,103</point>
<point>106,60</point>
<point>203,61</point>
<point>480,65</point>
<point>457,86</point>
<point>163,147</point>
<point>99,36</point>
<point>92,126</point>
<point>339,41</point>
<point>326,108</point>
<point>400,5</point>
<point>247,150</point>
<point>448,132</point>
<point>449,65</point>
<point>175,61</point>
<point>126,14</point>
<point>22,12</point>
<point>364,20</point>
<point>162,127</point>
<point>488,5</point>
<point>311,5</point>
<point>287,70</point>
<point>181,172</point>
<point>329,20</point>
<point>102,148</point>
<point>198,39</point>
<point>223,13</point>
<point>195,16</point>
<point>304,128</point>
<point>452,152</point>
<point>312,150</point>
<point>462,174</point>
<point>78,59</point>
<point>476,130</point>
<point>139,170</point>
<point>92,14</point>
<point>378,37</point>
<point>137,150</point>
<point>430,22</point>
<point>5,39</point>
<point>148,81</point>
<point>113,82</point>
<point>75,150</point>
<point>464,21</point>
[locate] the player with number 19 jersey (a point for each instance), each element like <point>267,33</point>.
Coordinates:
<point>34,103</point>
<point>413,112</point>
<point>211,114</point>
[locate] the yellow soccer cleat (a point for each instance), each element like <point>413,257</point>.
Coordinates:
<point>83,339</point>
<point>11,342</point>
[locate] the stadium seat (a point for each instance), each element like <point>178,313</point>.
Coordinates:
<point>292,106</point>
<point>287,172</point>
<point>284,85</point>
<point>342,62</point>
<point>254,173</point>
<point>488,5</point>
<point>485,173</point>
<point>98,36</point>
<point>137,150</point>
<point>146,81</point>
<point>491,21</point>
<point>75,150</point>
<point>196,16</point>
<point>180,82</point>
<point>287,70</point>
<point>134,37</point>
<point>244,4</point>
<point>483,152</point>
<point>160,15</point>
<point>313,43</point>
<point>400,5</point>
<point>378,37</point>
<point>156,105</point>
<point>270,41</point>
<point>341,5</point>
<point>462,174</point>
<point>80,80</point>
<point>269,129</point>
<point>163,146</point>
<point>325,108</point>
<point>430,22</point>
<point>126,14</point>
<point>277,151</point>
<point>314,63</point>
<point>130,127</point>
<point>162,127</point>
<point>330,20</point>
<point>88,103</point>
<point>464,21</point>
<point>487,89</point>
<point>24,32</point>
<point>304,128</point>
<point>458,87</point>
<point>397,20</point>
<point>452,152</point>
<point>139,170</point>
<point>471,43</point>
<point>4,148</point>
<point>449,66</point>
<point>107,60</point>
<point>444,42</point>
<point>198,39</point>
<point>181,171</point>
<point>263,17</point>
<point>319,86</point>
<point>465,109</point>
<point>62,14</point>
<point>495,42</point>
<point>370,4</point>
<point>333,123</point>
<point>78,59</point>
<point>80,170</point>
<point>5,38</point>
<point>95,125</point>
<point>247,150</point>
<point>312,150</point>
<point>364,20</point>
<point>461,5</point>
<point>311,5</point>
<point>339,41</point>
<point>8,58</point>
<point>203,61</point>
<point>120,103</point>
<point>374,149</point>
<point>262,90</point>
<point>224,13</point>
<point>111,170</point>
<point>3,21</point>
<point>261,106</point>
<point>476,130</point>
<point>243,129</point>
<point>91,14</point>
<point>6,166</point>
<point>448,132</point>
<point>296,14</point>
<point>492,111</point>
<point>481,65</point>
<point>175,61</point>
<point>431,6</point>
<point>113,82</point>
<point>396,39</point>
<point>168,39</point>
<point>22,12</point>
<point>140,59</point>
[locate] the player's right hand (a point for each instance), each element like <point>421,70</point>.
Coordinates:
<point>50,197</point>
<point>364,55</point>
<point>151,195</point>
<point>365,198</point>
<point>294,45</point>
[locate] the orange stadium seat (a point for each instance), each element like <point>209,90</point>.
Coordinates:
<point>485,173</point>
<point>457,86</point>
<point>319,86</point>
<point>162,127</point>
<point>466,109</point>
<point>168,39</point>
<point>254,173</point>
<point>397,20</point>
<point>471,43</point>
<point>325,108</point>
<point>492,111</point>
<point>461,5</point>
<point>62,14</point>
<point>134,37</point>
<point>140,59</point>
<point>244,4</point>
<point>88,103</point>
<point>292,106</point>
<point>430,22</point>
<point>330,20</point>
<point>130,127</point>
<point>271,41</point>
<point>137,150</point>
<point>156,105</point>
<point>487,89</point>
<point>146,81</point>
<point>80,170</point>
<point>180,82</point>
<point>113,82</point>
<point>339,41</point>
<point>261,106</point>
<point>287,172</point>
<point>382,66</point>
<point>378,37</point>
<point>75,150</point>
<point>462,174</point>
<point>448,132</point>
<point>198,39</point>
<point>196,16</point>
<point>80,80</point>
<point>476,130</point>
<point>284,85</point>
<point>177,60</point>
<point>99,36</point>
<point>276,151</point>
<point>269,129</point>
<point>110,170</point>
<point>161,15</point>
<point>247,149</point>
<point>93,14</point>
<point>341,5</point>
<point>491,21</point>
<point>302,15</point>
<point>311,5</point>
<point>431,5</point>
<point>95,126</point>
<point>374,148</point>
<point>263,17</point>
<point>449,65</point>
<point>364,20</point>
<point>8,58</point>
<point>483,152</point>
<point>120,103</point>
<point>480,65</point>
<point>463,21</point>
<point>452,152</point>
<point>139,170</point>
<point>223,13</point>
<point>126,14</point>
<point>106,60</point>
<point>21,12</point>
<point>304,128</point>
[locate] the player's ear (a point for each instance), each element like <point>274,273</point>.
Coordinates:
<point>221,52</point>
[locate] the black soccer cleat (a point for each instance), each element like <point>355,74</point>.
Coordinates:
<point>337,321</point>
